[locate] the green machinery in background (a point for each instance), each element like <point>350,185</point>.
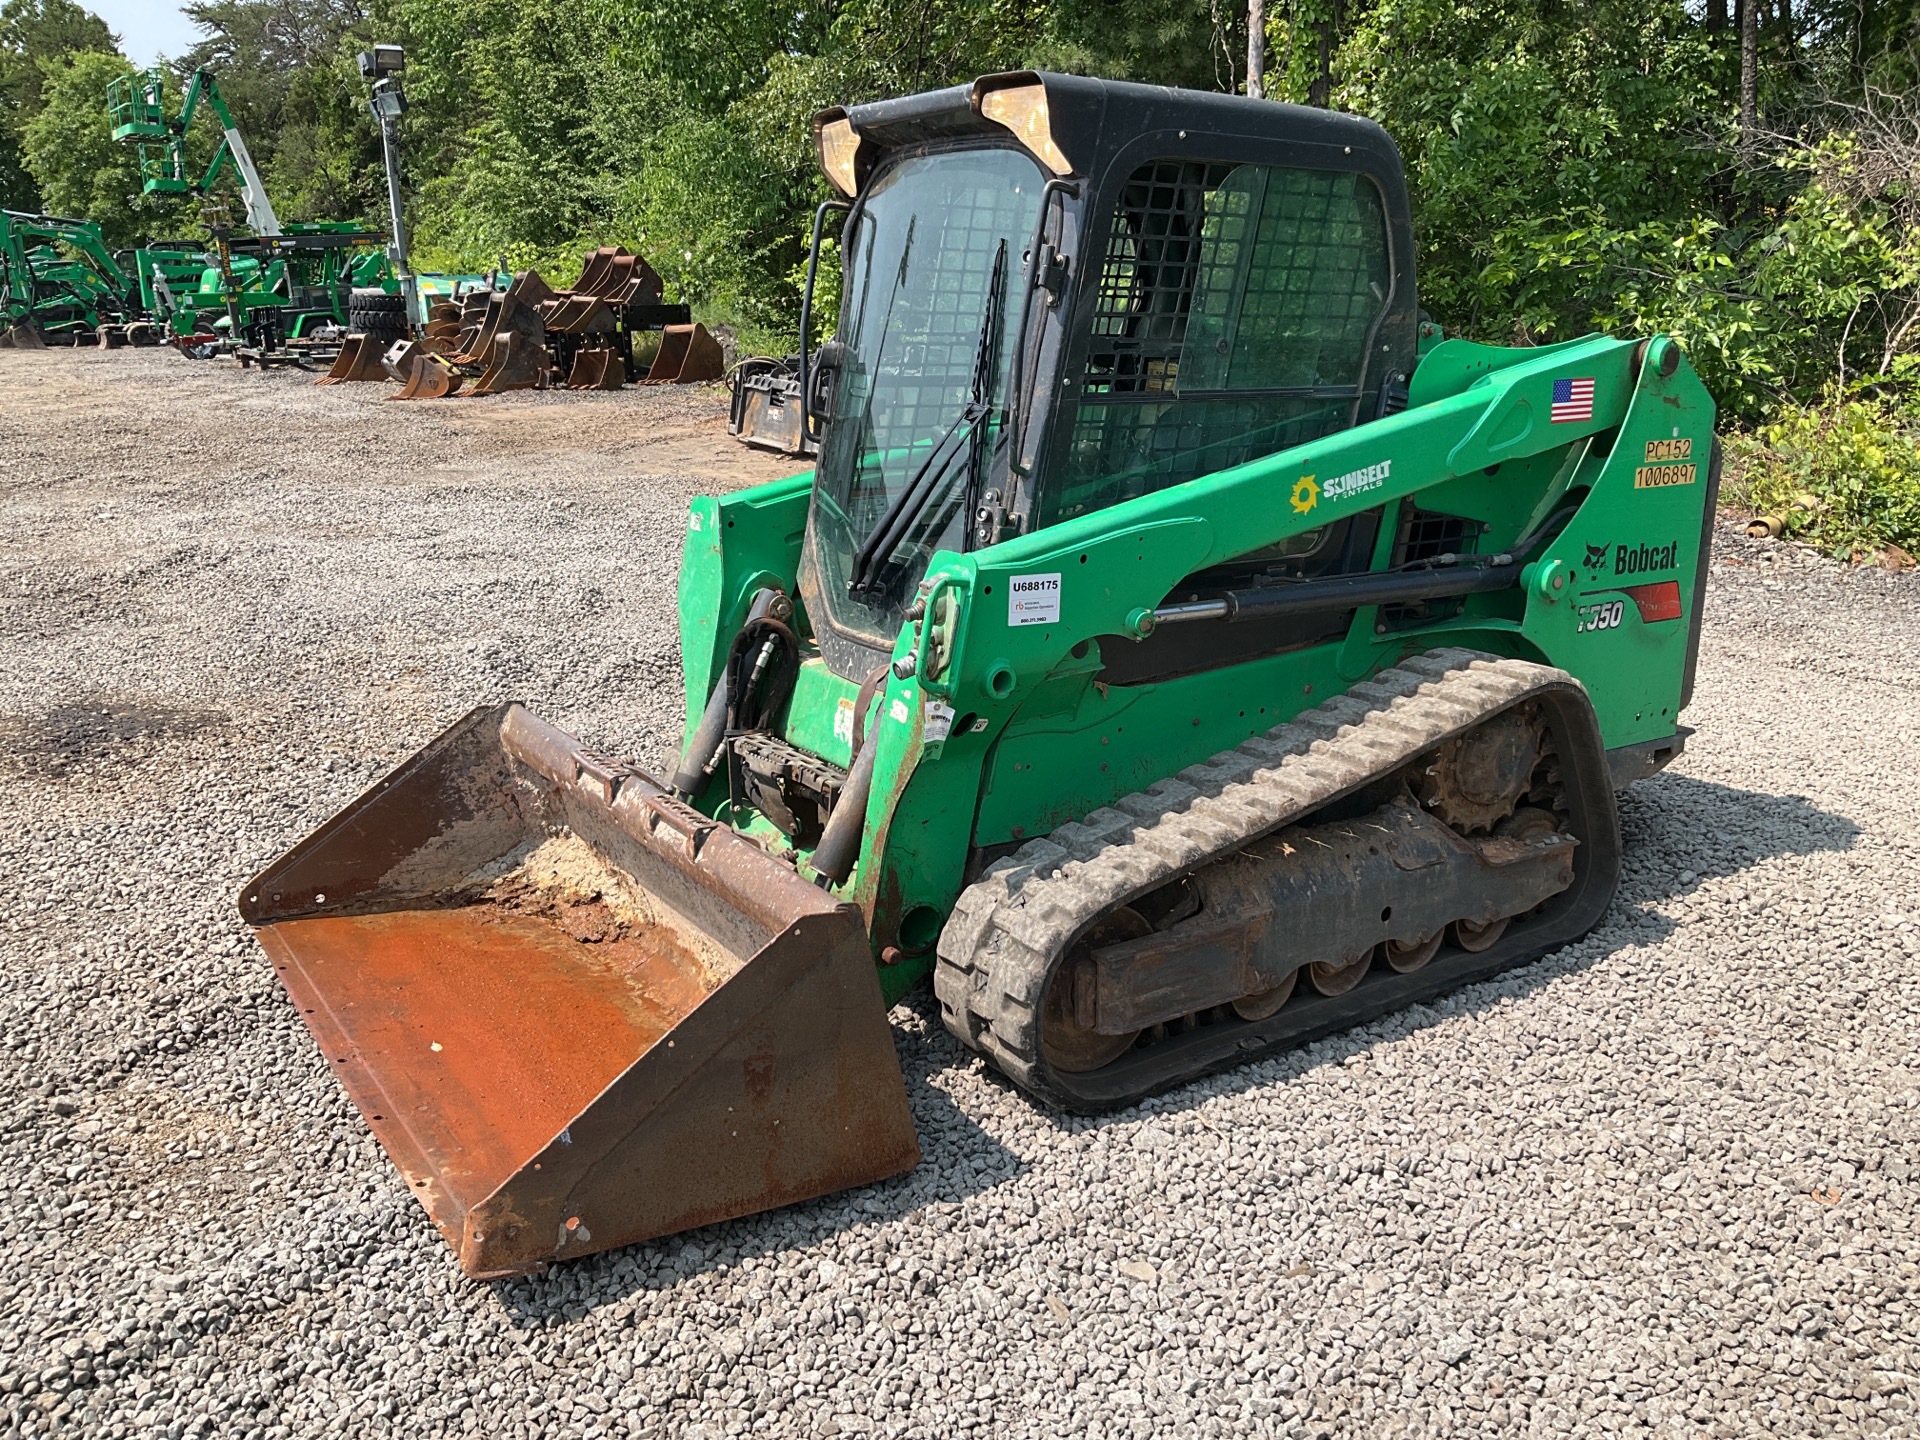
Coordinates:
<point>58,282</point>
<point>278,281</point>
<point>1178,653</point>
<point>136,105</point>
<point>300,280</point>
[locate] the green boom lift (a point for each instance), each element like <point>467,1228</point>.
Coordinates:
<point>288,277</point>
<point>137,106</point>
<point>1180,652</point>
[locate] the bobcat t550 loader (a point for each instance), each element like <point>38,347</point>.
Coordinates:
<point>1179,652</point>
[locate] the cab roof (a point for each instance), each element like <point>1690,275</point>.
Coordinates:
<point>1092,119</point>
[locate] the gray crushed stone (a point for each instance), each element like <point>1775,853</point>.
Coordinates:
<point>1662,1183</point>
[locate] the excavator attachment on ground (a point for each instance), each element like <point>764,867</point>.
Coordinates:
<point>1179,652</point>
<point>688,353</point>
<point>358,360</point>
<point>575,1011</point>
<point>514,363</point>
<point>427,376</point>
<point>597,368</point>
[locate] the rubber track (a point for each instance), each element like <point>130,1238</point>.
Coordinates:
<point>1010,928</point>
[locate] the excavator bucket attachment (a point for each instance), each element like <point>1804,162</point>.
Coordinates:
<point>596,276</point>
<point>575,1011</point>
<point>359,359</point>
<point>443,321</point>
<point>426,377</point>
<point>597,370</point>
<point>515,363</point>
<point>687,353</point>
<point>580,315</point>
<point>515,310</point>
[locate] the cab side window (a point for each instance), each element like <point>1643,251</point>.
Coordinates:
<point>1230,320</point>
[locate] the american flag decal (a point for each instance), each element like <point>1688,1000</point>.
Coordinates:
<point>1573,399</point>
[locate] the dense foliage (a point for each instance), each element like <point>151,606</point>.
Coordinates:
<point>1608,164</point>
<point>1844,474</point>
<point>37,37</point>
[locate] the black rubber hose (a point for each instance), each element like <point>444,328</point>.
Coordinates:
<point>703,749</point>
<point>756,704</point>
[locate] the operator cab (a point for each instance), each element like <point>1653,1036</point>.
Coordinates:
<point>1060,293</point>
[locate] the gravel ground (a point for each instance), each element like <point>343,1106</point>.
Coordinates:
<point>1661,1183</point>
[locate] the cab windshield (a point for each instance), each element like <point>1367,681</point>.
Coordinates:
<point>919,293</point>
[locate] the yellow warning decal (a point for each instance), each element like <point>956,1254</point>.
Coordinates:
<point>1658,477</point>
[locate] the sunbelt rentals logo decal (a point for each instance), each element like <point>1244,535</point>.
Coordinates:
<point>1308,492</point>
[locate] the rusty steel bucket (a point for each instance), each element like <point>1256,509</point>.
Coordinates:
<point>597,369</point>
<point>575,1011</point>
<point>514,363</point>
<point>688,353</point>
<point>359,359</point>
<point>427,376</point>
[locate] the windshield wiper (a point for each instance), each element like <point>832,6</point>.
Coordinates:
<point>962,436</point>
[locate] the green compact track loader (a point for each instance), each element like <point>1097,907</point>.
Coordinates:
<point>1179,652</point>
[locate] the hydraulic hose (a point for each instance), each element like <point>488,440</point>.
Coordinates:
<point>739,700</point>
<point>696,764</point>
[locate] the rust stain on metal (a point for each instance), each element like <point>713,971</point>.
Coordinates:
<point>532,1024</point>
<point>575,1016</point>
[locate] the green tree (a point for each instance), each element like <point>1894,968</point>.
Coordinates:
<point>17,190</point>
<point>35,34</point>
<point>71,152</point>
<point>1199,46</point>
<point>1523,122</point>
<point>285,71</point>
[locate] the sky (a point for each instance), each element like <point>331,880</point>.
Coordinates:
<point>147,28</point>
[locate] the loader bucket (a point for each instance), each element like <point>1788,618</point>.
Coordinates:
<point>21,337</point>
<point>359,359</point>
<point>597,370</point>
<point>687,353</point>
<point>576,1012</point>
<point>514,363</point>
